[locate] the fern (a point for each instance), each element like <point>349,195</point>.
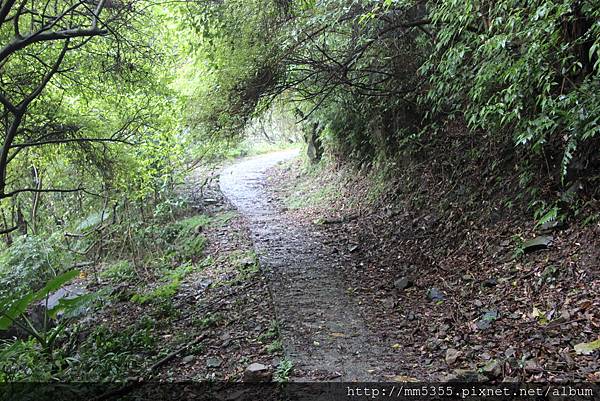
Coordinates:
<point>550,215</point>
<point>567,157</point>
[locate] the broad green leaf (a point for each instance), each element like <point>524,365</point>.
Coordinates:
<point>587,348</point>
<point>56,283</point>
<point>15,310</point>
<point>73,307</point>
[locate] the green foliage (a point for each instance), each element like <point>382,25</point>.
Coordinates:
<point>529,68</point>
<point>246,264</point>
<point>284,369</point>
<point>29,263</point>
<point>519,246</point>
<point>374,80</point>
<point>24,361</point>
<point>235,51</point>
<point>272,333</point>
<point>544,216</point>
<point>182,239</point>
<point>111,355</point>
<point>166,291</point>
<point>119,271</point>
<point>13,310</point>
<point>275,347</point>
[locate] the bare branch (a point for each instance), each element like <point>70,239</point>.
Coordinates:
<point>17,16</point>
<point>5,10</point>
<point>36,92</point>
<point>36,190</point>
<point>8,230</point>
<point>6,103</point>
<point>19,44</point>
<point>62,141</point>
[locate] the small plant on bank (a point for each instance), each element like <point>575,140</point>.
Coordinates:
<point>283,371</point>
<point>272,333</point>
<point>275,347</point>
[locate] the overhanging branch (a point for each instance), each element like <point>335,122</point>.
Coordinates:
<point>62,141</point>
<point>36,190</point>
<point>19,44</point>
<point>8,230</point>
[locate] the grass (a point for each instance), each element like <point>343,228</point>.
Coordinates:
<point>272,333</point>
<point>119,271</point>
<point>171,284</point>
<point>275,347</point>
<point>307,197</point>
<point>284,369</point>
<point>246,264</point>
<point>307,193</point>
<point>223,219</point>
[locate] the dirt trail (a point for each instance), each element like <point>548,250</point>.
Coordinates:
<point>322,330</point>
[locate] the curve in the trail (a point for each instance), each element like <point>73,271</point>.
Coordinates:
<point>322,330</point>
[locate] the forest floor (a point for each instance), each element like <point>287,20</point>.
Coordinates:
<point>305,274</point>
<point>448,298</point>
<point>220,319</point>
<point>363,291</point>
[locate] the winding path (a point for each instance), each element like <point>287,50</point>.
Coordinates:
<point>322,331</point>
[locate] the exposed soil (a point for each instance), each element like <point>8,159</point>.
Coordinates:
<point>227,305</point>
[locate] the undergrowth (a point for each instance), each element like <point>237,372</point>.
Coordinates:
<point>143,261</point>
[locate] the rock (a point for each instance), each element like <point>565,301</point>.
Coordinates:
<point>435,295</point>
<point>37,313</point>
<point>464,376</point>
<point>490,282</point>
<point>487,318</point>
<point>188,359</point>
<point>213,362</point>
<point>403,283</point>
<point>492,369</point>
<point>67,292</point>
<point>203,284</point>
<point>257,372</point>
<point>532,366</point>
<point>389,303</point>
<point>452,355</point>
<point>538,243</point>
<point>549,226</point>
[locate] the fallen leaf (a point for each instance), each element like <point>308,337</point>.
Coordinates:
<point>587,348</point>
<point>403,379</point>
